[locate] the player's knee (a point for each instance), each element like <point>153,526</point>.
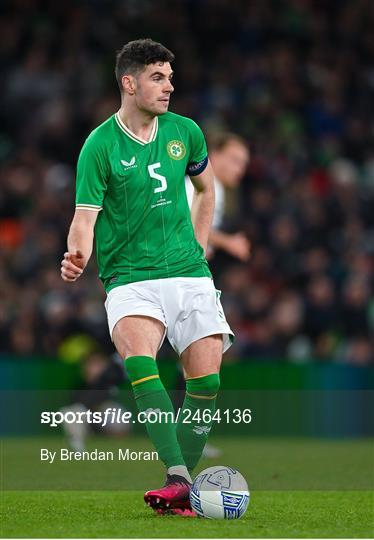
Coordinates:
<point>206,385</point>
<point>212,383</point>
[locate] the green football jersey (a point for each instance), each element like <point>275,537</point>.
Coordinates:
<point>144,229</point>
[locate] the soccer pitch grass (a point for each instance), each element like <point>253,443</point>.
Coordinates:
<point>102,514</point>
<point>326,492</point>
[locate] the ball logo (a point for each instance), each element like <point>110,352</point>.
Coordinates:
<point>195,496</point>
<point>221,478</point>
<point>176,149</point>
<point>219,493</point>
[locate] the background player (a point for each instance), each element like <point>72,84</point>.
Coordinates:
<point>229,156</point>
<point>150,252</point>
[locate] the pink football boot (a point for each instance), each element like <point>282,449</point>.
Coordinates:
<point>174,494</point>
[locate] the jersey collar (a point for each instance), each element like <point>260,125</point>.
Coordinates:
<point>132,135</point>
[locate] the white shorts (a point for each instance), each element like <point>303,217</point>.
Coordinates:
<point>189,308</point>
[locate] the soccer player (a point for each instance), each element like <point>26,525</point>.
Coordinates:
<point>150,252</point>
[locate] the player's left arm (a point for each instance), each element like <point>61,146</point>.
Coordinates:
<point>203,204</point>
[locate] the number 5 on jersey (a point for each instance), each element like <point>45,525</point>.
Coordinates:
<point>152,173</point>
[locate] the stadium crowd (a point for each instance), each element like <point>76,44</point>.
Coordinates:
<point>294,77</point>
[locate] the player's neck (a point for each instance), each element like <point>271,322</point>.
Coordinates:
<point>138,122</point>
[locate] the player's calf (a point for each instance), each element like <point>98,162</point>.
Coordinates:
<point>200,403</point>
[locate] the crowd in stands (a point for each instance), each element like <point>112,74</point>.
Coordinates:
<point>293,77</point>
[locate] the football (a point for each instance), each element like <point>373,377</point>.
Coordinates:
<point>219,493</point>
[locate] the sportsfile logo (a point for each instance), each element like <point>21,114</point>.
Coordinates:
<point>129,164</point>
<point>200,418</point>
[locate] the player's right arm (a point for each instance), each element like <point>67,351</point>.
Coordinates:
<point>92,178</point>
<point>80,242</point>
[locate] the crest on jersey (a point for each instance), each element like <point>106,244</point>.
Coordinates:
<point>176,149</point>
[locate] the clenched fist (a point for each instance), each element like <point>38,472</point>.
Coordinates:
<point>72,266</point>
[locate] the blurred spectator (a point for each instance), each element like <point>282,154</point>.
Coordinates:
<point>355,310</point>
<point>294,79</point>
<point>359,352</point>
<point>320,307</point>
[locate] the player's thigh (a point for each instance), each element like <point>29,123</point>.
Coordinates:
<point>203,356</point>
<point>137,335</point>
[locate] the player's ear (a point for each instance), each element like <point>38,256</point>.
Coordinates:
<point>129,84</point>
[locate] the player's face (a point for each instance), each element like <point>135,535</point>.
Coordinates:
<point>230,163</point>
<point>153,88</point>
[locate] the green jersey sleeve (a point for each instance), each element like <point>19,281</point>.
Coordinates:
<point>92,177</point>
<point>198,149</point>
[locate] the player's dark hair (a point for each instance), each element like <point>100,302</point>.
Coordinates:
<point>135,55</point>
<point>219,139</point>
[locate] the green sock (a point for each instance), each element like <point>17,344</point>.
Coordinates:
<point>150,393</point>
<point>201,395</point>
